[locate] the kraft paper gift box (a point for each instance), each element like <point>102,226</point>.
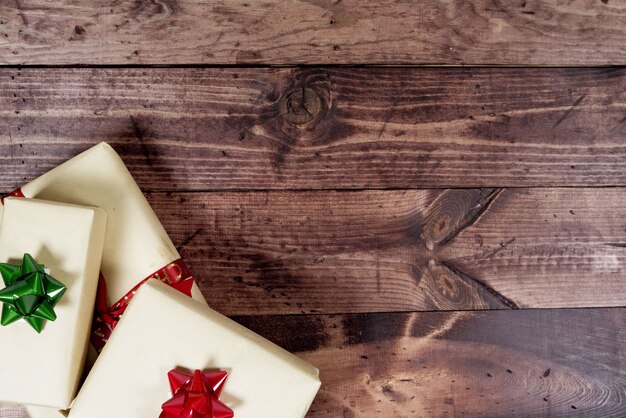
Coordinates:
<point>45,368</point>
<point>163,330</point>
<point>136,244</point>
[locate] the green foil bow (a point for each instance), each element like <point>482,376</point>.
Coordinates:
<point>30,293</point>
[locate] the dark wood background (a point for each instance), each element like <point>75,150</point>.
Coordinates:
<point>439,241</point>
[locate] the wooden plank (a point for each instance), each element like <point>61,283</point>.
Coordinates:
<point>322,128</point>
<point>410,250</point>
<point>482,32</point>
<point>532,363</point>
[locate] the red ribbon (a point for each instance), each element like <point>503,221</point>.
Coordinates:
<point>176,275</point>
<point>15,193</point>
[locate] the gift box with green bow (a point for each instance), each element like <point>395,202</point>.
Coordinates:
<point>49,262</point>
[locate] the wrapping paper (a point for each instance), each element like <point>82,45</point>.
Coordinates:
<point>136,244</point>
<point>45,369</point>
<point>162,330</point>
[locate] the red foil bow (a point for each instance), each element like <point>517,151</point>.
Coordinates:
<point>196,396</point>
<point>176,275</point>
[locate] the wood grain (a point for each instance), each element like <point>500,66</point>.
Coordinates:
<point>411,250</point>
<point>532,363</point>
<point>322,128</point>
<point>552,32</point>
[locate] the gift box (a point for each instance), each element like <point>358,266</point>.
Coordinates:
<point>136,245</point>
<point>162,332</point>
<point>42,359</point>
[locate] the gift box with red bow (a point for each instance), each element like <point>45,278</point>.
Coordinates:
<point>173,357</point>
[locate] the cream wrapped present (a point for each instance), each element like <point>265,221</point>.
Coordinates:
<point>45,368</point>
<point>162,331</point>
<point>136,244</point>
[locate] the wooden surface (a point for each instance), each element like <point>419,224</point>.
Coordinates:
<point>509,32</point>
<point>533,363</point>
<point>383,251</point>
<point>398,227</point>
<point>242,129</point>
<point>298,241</point>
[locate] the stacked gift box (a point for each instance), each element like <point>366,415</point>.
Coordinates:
<point>102,318</point>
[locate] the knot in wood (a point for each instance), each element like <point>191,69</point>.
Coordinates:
<point>300,105</point>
